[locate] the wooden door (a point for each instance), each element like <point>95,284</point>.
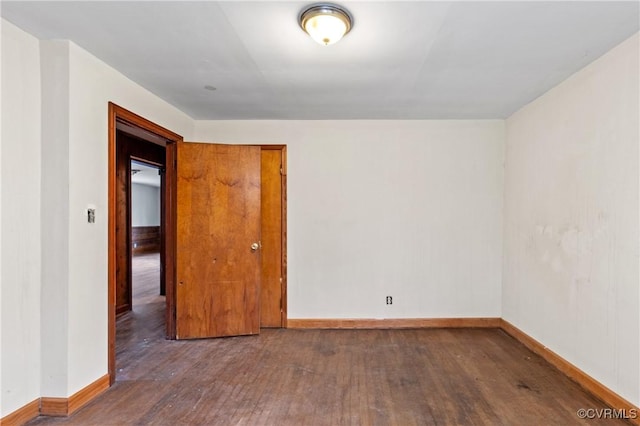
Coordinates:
<point>271,295</point>
<point>217,243</point>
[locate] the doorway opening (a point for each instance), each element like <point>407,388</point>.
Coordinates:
<point>133,138</point>
<point>140,301</point>
<point>146,230</point>
<point>143,323</point>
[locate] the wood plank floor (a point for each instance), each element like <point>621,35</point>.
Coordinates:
<point>327,377</point>
<point>144,325</point>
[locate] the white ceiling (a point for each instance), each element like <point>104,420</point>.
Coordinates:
<point>402,60</point>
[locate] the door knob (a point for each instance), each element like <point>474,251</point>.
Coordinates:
<point>255,246</point>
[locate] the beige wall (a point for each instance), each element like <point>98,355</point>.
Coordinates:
<point>56,348</point>
<point>20,220</point>
<point>571,276</point>
<point>410,209</point>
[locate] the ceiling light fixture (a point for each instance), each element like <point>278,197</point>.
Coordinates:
<point>326,23</point>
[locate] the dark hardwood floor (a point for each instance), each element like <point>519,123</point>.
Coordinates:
<point>142,327</point>
<point>326,377</point>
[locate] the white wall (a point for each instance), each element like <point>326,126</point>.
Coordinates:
<point>411,209</point>
<point>571,220</point>
<point>145,205</point>
<point>56,348</point>
<point>1,393</point>
<point>92,85</point>
<point>54,70</point>
<point>20,219</point>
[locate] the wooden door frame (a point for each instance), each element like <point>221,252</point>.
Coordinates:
<point>118,114</point>
<point>283,230</point>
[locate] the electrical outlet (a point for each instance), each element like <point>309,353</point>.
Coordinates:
<point>389,300</point>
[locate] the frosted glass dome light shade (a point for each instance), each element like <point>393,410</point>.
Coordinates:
<point>326,23</point>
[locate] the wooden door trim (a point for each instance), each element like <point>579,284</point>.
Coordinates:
<point>283,230</point>
<point>119,114</point>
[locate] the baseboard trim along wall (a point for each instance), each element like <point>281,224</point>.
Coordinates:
<point>56,407</point>
<point>88,393</point>
<point>587,382</point>
<point>22,415</point>
<point>67,406</point>
<point>394,323</point>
